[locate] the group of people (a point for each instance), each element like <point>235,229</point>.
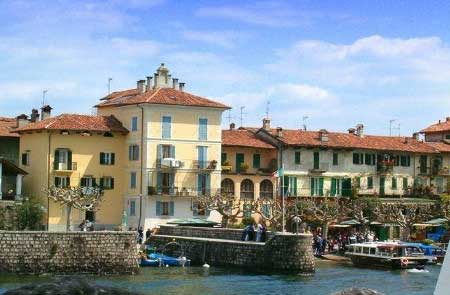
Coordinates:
<point>254,232</point>
<point>86,225</point>
<point>140,235</point>
<point>339,242</point>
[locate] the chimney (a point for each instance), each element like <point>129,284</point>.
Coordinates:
<point>156,78</point>
<point>141,86</point>
<point>266,124</point>
<point>351,130</point>
<point>323,135</point>
<point>182,84</point>
<point>279,132</point>
<point>232,126</point>
<point>45,112</point>
<point>360,130</point>
<point>175,83</point>
<point>34,115</point>
<point>416,136</point>
<point>149,83</point>
<point>21,120</point>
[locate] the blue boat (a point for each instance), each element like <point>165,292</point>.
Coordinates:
<point>160,259</point>
<point>434,254</point>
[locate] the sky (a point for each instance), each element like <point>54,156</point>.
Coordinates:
<point>326,64</point>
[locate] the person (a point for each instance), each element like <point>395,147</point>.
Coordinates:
<point>82,225</point>
<point>259,232</point>
<point>89,225</point>
<point>140,235</point>
<point>263,232</point>
<point>148,234</point>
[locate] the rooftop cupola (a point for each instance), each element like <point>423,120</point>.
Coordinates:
<point>163,79</point>
<point>323,135</point>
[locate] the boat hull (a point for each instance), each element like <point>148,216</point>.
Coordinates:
<point>388,262</point>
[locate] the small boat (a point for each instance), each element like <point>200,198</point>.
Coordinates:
<point>386,255</point>
<point>433,253</point>
<point>151,258</point>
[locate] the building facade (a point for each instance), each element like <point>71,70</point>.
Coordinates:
<point>75,150</point>
<point>173,148</point>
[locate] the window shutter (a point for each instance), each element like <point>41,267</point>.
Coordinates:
<point>171,183</point>
<point>159,182</point>
<point>321,186</point>
<point>56,160</point>
<point>224,158</point>
<point>171,208</point>
<point>172,151</point>
<point>286,185</point>
<point>57,181</point>
<point>112,183</point>
<point>333,187</point>
<point>297,158</point>
<point>199,184</point>
<point>69,160</point>
<point>208,184</point>
<point>294,179</point>
<point>102,182</point>
<point>256,160</point>
<point>158,208</point>
<point>159,153</point>
<point>83,182</point>
<point>394,183</point>
<point>312,185</point>
<point>355,158</point>
<point>408,161</point>
<point>405,183</point>
<point>102,158</point>
<point>113,160</point>
<point>67,181</point>
<point>130,152</point>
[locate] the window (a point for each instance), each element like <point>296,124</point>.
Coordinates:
<point>316,186</point>
<point>247,189</point>
<point>107,182</point>
<point>26,158</point>
<point>247,208</point>
<point>405,161</point>
<point>316,160</point>
<point>394,183</point>
<point>108,158</point>
<point>405,183</point>
<point>202,156</point>
<point>166,127</point>
<point>423,164</point>
<point>87,181</point>
<point>227,187</point>
<point>336,187</point>
<point>335,159</point>
<point>165,208</point>
<point>224,158</point>
<point>62,181</point>
<point>297,158</point>
<point>63,159</point>
<point>133,180</point>
<point>256,161</point>
<point>369,182</point>
<point>358,158</point>
<point>132,208</point>
<point>396,160</point>
<point>204,184</point>
<point>369,159</point>
<point>165,183</point>
<point>202,129</point>
<point>447,136</point>
<point>133,152</point>
<point>134,123</point>
<point>266,189</point>
<point>290,186</point>
<point>164,151</point>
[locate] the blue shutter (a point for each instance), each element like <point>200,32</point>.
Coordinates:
<point>208,184</point>
<point>171,208</point>
<point>158,208</point>
<point>130,153</point>
<point>166,122</point>
<point>201,157</point>
<point>172,151</point>
<point>159,182</point>
<point>203,129</point>
<point>158,155</point>
<point>199,184</point>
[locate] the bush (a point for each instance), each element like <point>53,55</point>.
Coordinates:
<point>29,214</point>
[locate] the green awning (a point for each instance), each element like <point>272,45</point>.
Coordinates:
<point>193,222</point>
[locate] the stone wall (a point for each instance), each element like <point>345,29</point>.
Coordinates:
<point>68,253</point>
<point>288,252</point>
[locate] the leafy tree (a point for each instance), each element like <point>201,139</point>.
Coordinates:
<point>29,214</point>
<point>75,197</point>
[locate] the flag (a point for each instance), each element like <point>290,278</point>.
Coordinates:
<point>278,173</point>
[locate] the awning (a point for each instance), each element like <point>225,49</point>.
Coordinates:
<point>339,225</point>
<point>193,222</point>
<point>437,221</point>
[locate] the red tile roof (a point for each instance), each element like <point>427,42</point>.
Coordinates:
<point>438,127</point>
<point>6,126</point>
<point>77,123</point>
<point>440,146</point>
<point>166,96</point>
<point>243,138</point>
<point>353,141</point>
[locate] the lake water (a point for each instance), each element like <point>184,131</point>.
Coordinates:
<point>328,278</point>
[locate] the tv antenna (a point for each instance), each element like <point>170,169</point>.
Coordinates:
<point>304,118</point>
<point>267,109</point>
<point>44,92</point>
<point>390,126</point>
<point>242,115</point>
<point>229,117</point>
<point>109,85</point>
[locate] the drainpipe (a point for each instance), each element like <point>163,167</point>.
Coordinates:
<point>48,177</point>
<point>142,164</point>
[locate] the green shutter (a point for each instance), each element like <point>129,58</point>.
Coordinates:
<point>370,182</point>
<point>405,182</point>
<point>321,186</point>
<point>69,160</point>
<point>102,158</point>
<point>113,156</point>
<point>56,160</point>
<point>312,186</point>
<point>346,187</point>
<point>112,183</point>
<point>297,158</point>
<point>102,182</point>
<point>256,161</point>
<point>224,157</point>
<point>333,186</point>
<point>316,160</point>
<point>355,158</point>
<point>294,179</point>
<point>335,159</point>
<point>171,208</point>
<point>394,183</point>
<point>158,208</point>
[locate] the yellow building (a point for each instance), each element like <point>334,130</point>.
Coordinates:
<point>75,150</point>
<point>247,166</point>
<point>173,148</point>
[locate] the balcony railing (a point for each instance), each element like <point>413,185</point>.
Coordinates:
<point>385,166</point>
<point>323,167</point>
<point>180,191</point>
<point>66,167</point>
<point>169,163</point>
<point>205,165</point>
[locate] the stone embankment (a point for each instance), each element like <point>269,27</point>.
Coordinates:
<point>222,247</point>
<point>68,252</point>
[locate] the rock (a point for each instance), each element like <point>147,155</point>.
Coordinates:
<point>68,286</point>
<point>357,291</point>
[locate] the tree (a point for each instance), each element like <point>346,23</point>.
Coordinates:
<point>406,215</point>
<point>29,214</point>
<point>223,204</point>
<point>364,210</point>
<point>270,211</point>
<point>80,198</point>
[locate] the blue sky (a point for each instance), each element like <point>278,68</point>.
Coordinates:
<point>337,62</point>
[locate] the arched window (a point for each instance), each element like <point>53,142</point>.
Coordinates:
<point>227,186</point>
<point>247,189</point>
<point>266,189</point>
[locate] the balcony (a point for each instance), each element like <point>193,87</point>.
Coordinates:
<point>169,163</point>
<point>321,168</point>
<point>205,165</point>
<point>176,191</point>
<point>65,167</point>
<point>385,166</point>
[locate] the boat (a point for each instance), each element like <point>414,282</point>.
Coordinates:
<point>391,255</point>
<point>433,253</point>
<point>152,258</point>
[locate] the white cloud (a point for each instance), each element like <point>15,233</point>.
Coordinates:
<point>226,39</point>
<point>290,93</point>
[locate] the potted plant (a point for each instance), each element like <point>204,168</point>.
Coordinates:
<point>226,166</point>
<point>244,167</point>
<point>213,164</point>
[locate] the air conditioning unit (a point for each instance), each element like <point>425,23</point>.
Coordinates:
<point>178,163</point>
<point>167,162</point>
<point>62,166</point>
<point>172,163</point>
